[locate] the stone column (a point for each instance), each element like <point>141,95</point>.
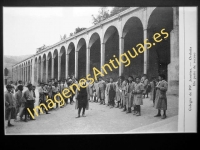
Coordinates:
<point>145,52</point>
<point>42,64</point>
<point>21,73</point>
<point>59,67</point>
<point>24,74</point>
<point>17,73</point>
<point>173,67</point>
<point>27,73</point>
<point>52,69</point>
<point>67,66</point>
<point>25,69</point>
<point>102,55</point>
<point>38,67</point>
<point>87,61</point>
<point>33,72</point>
<point>145,37</point>
<point>76,64</point>
<point>47,64</point>
<point>121,51</point>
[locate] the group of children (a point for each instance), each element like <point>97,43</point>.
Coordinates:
<point>124,94</point>
<point>129,93</point>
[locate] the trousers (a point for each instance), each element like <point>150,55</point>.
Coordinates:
<point>79,110</point>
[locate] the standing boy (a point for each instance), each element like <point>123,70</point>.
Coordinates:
<point>161,98</point>
<point>138,100</point>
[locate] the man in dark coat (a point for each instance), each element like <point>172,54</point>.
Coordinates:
<point>30,100</point>
<point>82,101</point>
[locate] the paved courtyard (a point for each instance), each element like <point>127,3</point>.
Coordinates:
<point>100,119</point>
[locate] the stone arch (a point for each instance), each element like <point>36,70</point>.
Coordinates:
<point>39,68</point>
<point>133,34</point>
<point>63,62</point>
<point>81,49</point>
<point>29,71</point>
<point>95,51</point>
<point>43,72</point>
<point>55,56</point>
<point>111,41</point>
<point>49,58</point>
<point>159,54</point>
<point>35,69</point>
<point>71,61</point>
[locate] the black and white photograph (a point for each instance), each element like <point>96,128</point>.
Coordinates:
<point>99,70</point>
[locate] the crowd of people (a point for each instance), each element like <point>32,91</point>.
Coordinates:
<point>126,94</point>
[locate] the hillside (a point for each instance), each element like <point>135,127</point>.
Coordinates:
<point>9,61</point>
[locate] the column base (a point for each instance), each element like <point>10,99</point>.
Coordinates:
<point>173,78</point>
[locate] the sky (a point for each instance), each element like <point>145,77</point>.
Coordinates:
<point>27,28</point>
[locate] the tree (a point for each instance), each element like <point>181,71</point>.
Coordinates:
<point>71,34</point>
<point>78,30</point>
<point>64,37</point>
<point>102,15</point>
<point>117,10</point>
<point>6,72</point>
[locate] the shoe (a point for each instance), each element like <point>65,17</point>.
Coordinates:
<point>10,125</point>
<point>138,114</point>
<point>78,117</point>
<point>158,115</point>
<point>25,120</point>
<point>32,119</point>
<point>48,113</point>
<point>163,117</point>
<point>134,113</point>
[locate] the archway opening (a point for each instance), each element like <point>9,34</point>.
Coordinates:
<point>39,69</point>
<point>63,63</point>
<point>133,35</point>
<point>44,69</point>
<point>159,54</point>
<point>55,55</point>
<point>71,64</point>
<point>49,65</point>
<point>95,52</point>
<point>111,40</point>
<point>81,58</point>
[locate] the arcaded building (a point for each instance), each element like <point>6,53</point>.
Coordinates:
<point>95,46</point>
